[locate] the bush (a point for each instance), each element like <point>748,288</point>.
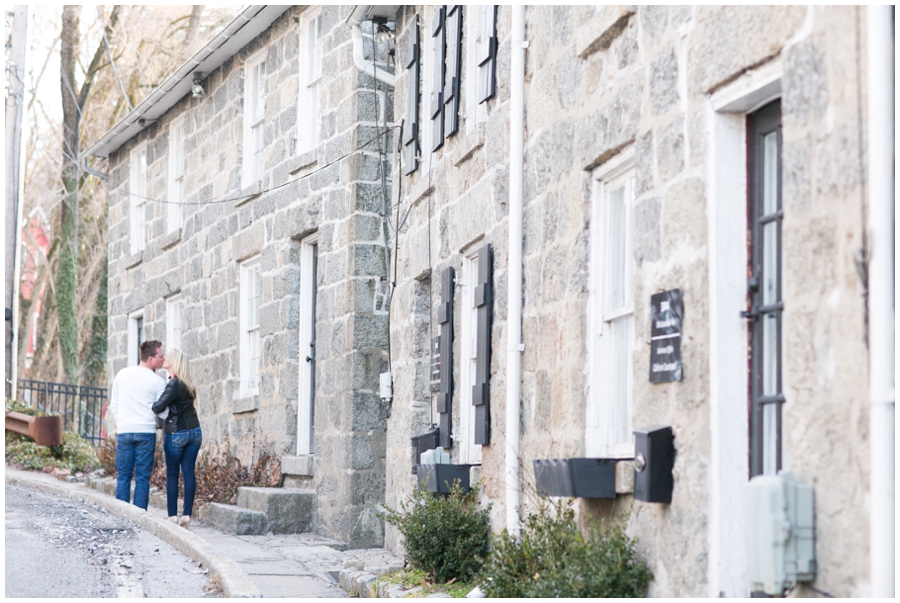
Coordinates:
<point>219,475</point>
<point>554,559</point>
<point>74,454</point>
<point>443,534</point>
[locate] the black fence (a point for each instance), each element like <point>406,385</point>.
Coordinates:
<point>81,407</point>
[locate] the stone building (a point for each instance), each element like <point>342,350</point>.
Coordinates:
<point>650,134</point>
<point>575,223</point>
<point>246,226</point>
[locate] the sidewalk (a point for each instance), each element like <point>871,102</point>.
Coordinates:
<point>296,565</point>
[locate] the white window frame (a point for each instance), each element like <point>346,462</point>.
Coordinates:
<point>254,119</point>
<point>476,112</point>
<point>469,451</point>
<point>310,78</point>
<point>137,187</point>
<point>136,329</point>
<point>174,208</point>
<point>174,306</point>
<point>603,411</point>
<point>305,402</point>
<point>250,344</point>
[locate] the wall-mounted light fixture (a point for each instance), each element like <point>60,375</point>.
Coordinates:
<point>383,34</point>
<point>197,90</point>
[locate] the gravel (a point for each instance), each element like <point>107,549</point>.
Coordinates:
<point>59,547</point>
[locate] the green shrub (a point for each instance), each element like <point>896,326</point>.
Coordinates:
<point>553,558</point>
<point>444,535</point>
<point>23,407</point>
<point>74,454</point>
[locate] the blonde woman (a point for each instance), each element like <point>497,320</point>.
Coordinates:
<point>183,437</point>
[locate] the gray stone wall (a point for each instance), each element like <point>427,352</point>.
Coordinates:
<point>623,77</point>
<point>334,191</point>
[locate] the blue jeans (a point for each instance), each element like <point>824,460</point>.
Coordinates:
<point>181,450</point>
<point>134,456</point>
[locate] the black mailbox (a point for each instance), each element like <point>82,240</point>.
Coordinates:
<point>654,458</point>
<point>422,443</point>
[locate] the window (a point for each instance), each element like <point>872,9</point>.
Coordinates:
<point>479,30</point>
<point>306,397</point>
<point>609,429</point>
<point>475,347</point>
<point>249,324</point>
<point>485,52</point>
<point>135,337</point>
<point>176,176</point>
<point>254,118</point>
<point>310,78</point>
<point>764,288</point>
<point>411,130</point>
<point>469,452</point>
<point>173,322</point>
<point>138,189</point>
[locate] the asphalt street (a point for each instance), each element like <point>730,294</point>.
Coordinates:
<point>60,547</point>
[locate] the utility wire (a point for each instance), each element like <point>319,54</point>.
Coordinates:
<point>361,147</point>
<point>112,62</point>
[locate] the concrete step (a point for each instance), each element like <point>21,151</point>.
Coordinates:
<point>236,520</point>
<point>289,510</point>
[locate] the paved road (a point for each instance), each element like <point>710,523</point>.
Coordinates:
<point>60,547</point>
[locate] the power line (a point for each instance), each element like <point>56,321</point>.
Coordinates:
<point>274,188</point>
<point>112,62</point>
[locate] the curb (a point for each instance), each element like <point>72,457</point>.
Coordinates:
<point>234,582</point>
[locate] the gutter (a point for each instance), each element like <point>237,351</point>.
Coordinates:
<point>228,42</point>
<point>360,14</point>
<point>515,347</point>
<point>880,155</point>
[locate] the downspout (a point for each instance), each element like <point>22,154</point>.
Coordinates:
<point>514,289</point>
<point>356,19</point>
<point>880,157</point>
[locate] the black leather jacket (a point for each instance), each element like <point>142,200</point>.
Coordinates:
<point>182,414</point>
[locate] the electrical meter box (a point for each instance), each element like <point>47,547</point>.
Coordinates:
<point>779,533</point>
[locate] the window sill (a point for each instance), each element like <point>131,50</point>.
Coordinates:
<point>133,260</point>
<point>303,160</point>
<point>245,404</point>
<point>298,466</point>
<point>598,33</point>
<point>249,193</point>
<point>170,239</point>
<point>468,145</point>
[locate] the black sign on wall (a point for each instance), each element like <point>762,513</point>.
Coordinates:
<point>666,317</point>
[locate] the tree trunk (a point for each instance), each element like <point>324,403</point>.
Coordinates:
<point>67,274</point>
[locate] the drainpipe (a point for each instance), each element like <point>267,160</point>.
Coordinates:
<point>514,290</point>
<point>356,18</point>
<point>881,295</point>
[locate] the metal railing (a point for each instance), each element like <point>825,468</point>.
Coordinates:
<point>80,406</point>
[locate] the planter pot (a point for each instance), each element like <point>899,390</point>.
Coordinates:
<point>422,442</point>
<point>438,478</point>
<point>581,478</point>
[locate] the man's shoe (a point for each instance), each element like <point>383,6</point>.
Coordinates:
<point>185,521</point>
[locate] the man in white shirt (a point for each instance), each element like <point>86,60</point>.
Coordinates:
<point>134,391</point>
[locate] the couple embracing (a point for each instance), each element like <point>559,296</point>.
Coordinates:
<point>138,395</point>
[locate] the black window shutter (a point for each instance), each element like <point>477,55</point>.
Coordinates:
<point>445,319</point>
<point>411,128</point>
<point>481,391</point>
<point>487,57</point>
<point>438,32</point>
<point>454,58</point>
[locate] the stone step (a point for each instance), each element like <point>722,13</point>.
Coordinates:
<point>236,520</point>
<point>289,510</point>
